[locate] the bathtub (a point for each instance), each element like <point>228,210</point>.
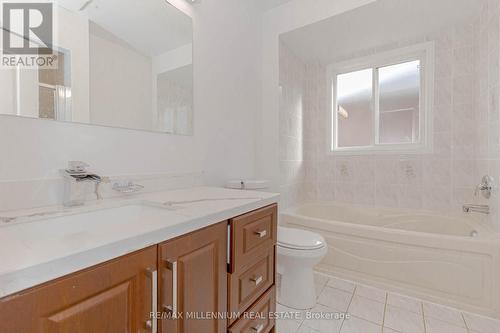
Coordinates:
<point>453,261</point>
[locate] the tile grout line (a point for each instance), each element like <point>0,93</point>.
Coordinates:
<point>348,306</point>
<point>421,305</point>
<point>385,310</point>
<point>423,317</point>
<point>301,324</point>
<point>322,289</point>
<point>465,322</point>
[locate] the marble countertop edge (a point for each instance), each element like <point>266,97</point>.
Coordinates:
<point>13,282</point>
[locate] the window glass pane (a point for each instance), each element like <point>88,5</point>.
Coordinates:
<point>354,109</point>
<point>399,105</point>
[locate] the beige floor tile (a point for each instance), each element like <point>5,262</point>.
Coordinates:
<point>305,329</point>
<point>402,314</point>
<point>334,298</point>
<point>358,325</point>
<point>403,320</point>
<point>372,293</point>
<point>404,302</point>
<point>443,313</point>
<point>286,326</point>
<point>323,319</point>
<point>482,324</point>
<point>367,309</point>
<point>320,281</point>
<point>341,284</point>
<point>433,325</point>
<point>289,313</point>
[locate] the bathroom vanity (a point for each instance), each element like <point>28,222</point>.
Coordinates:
<point>211,254</point>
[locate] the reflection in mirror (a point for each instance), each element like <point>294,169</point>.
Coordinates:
<point>174,99</point>
<point>121,63</point>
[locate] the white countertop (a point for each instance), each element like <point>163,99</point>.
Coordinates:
<point>40,248</point>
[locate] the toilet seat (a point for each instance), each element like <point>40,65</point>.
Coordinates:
<point>300,240</point>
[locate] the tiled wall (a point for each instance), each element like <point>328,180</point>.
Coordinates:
<point>292,168</point>
<point>466,130</point>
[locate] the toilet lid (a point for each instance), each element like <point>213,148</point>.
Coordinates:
<point>299,239</point>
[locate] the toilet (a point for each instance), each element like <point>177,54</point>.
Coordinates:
<point>298,252</point>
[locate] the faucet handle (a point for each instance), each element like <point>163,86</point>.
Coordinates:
<point>486,187</point>
<point>77,166</point>
<point>479,187</point>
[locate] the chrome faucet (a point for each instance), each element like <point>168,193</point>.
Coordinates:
<point>74,177</point>
<point>471,208</point>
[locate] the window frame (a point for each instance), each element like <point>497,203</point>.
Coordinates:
<point>425,53</point>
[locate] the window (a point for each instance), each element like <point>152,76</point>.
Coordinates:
<point>383,103</point>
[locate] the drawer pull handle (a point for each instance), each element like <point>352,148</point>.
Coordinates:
<point>257,280</point>
<point>172,266</point>
<point>168,309</point>
<point>151,324</point>
<point>261,234</point>
<point>258,328</point>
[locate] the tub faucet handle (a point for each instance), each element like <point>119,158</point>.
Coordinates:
<point>485,187</point>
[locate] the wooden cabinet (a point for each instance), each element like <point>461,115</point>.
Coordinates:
<point>189,275</point>
<point>252,266</point>
<point>113,297</point>
<point>192,281</point>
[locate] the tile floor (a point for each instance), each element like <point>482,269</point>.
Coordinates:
<point>375,310</point>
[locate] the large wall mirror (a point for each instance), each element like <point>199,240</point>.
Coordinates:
<point>121,63</point>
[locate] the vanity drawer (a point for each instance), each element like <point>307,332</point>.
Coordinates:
<point>256,319</point>
<point>251,235</point>
<point>249,283</point>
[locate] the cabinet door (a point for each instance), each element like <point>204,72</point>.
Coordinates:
<point>115,297</point>
<point>192,281</point>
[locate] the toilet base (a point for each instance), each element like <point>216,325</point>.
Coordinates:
<point>297,288</point>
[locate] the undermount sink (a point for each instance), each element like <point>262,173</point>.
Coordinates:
<point>85,230</point>
<point>124,214</point>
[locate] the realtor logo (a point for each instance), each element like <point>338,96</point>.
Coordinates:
<point>27,28</point>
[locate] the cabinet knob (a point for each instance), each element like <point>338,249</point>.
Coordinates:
<point>257,280</point>
<point>258,328</point>
<point>261,234</point>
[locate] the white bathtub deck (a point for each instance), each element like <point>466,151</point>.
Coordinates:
<point>376,310</point>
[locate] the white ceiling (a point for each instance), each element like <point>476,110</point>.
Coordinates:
<point>381,23</point>
<point>269,4</point>
<point>151,26</point>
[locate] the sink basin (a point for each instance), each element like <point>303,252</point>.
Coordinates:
<point>63,235</point>
<point>116,220</point>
